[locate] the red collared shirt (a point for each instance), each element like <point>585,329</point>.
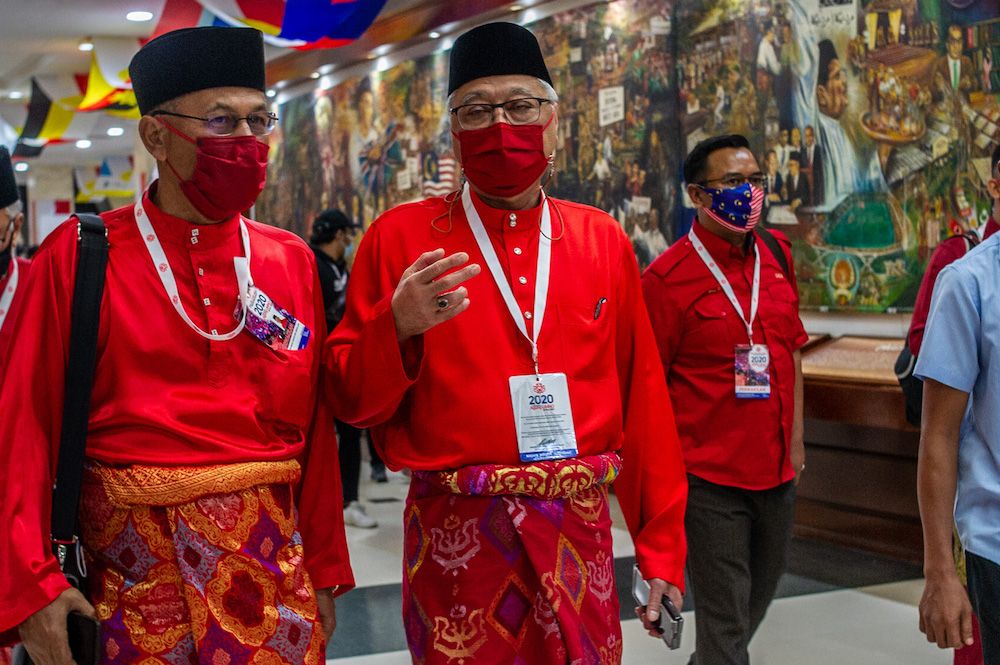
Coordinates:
<point>442,400</point>
<point>728,441</point>
<point>947,252</point>
<point>163,395</point>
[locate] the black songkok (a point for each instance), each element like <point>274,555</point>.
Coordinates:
<point>495,49</point>
<point>194,59</point>
<point>8,186</point>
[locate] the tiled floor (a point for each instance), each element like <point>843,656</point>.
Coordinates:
<point>835,605</point>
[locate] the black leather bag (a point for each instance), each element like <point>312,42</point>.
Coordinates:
<point>913,388</point>
<point>84,632</point>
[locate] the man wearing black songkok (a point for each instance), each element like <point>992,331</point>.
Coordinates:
<point>198,440</point>
<point>508,553</point>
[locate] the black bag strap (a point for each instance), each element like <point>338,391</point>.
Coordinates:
<point>772,244</point>
<point>92,261</point>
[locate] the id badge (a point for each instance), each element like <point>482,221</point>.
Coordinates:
<point>753,380</point>
<point>543,417</point>
<point>273,325</point>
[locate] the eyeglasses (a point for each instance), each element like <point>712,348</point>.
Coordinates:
<point>523,111</point>
<point>261,123</point>
<point>734,181</point>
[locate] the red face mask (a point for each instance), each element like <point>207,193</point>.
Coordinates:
<point>502,159</point>
<point>229,174</point>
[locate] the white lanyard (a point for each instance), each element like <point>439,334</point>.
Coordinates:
<point>241,263</point>
<point>724,283</point>
<point>8,293</point>
<point>493,263</point>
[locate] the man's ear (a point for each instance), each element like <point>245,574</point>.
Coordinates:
<point>698,196</point>
<point>154,137</point>
<point>18,221</point>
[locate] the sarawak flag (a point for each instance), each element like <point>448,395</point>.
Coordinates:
<point>109,87</point>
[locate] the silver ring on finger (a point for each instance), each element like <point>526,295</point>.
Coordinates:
<point>442,302</point>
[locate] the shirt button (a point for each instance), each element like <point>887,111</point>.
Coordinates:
<point>523,280</point>
<point>201,271</point>
<point>517,250</point>
<point>207,302</point>
<point>527,315</point>
<point>194,240</point>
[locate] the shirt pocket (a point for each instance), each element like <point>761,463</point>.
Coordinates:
<point>284,385</point>
<point>781,311</point>
<point>588,344</point>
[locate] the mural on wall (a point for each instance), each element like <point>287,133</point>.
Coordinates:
<point>374,142</point>
<point>872,119</point>
<point>873,122</point>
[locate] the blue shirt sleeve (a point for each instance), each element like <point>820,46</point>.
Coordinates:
<point>950,350</point>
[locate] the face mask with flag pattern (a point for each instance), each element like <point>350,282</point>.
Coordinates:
<point>737,209</point>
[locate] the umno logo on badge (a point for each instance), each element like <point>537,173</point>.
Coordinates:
<point>539,388</point>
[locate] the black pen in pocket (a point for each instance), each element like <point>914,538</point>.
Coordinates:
<point>597,310</point>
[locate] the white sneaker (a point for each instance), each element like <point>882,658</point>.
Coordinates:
<point>355,515</point>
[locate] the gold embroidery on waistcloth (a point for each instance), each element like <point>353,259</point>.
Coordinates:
<point>236,577</point>
<point>108,602</point>
<point>515,640</point>
<point>100,520</point>
<point>285,521</point>
<point>612,654</point>
<point>411,521</point>
<point>168,486</point>
<point>545,481</point>
<point>267,658</point>
<point>225,520</point>
<point>459,636</point>
<point>151,660</point>
<point>198,611</point>
<point>296,591</point>
<point>589,505</point>
<point>552,590</point>
<point>315,649</point>
<point>154,610</point>
<point>160,543</point>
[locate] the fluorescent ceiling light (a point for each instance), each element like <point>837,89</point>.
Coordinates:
<point>434,34</point>
<point>21,167</point>
<point>315,75</point>
<point>86,45</point>
<point>139,17</point>
<point>16,94</point>
<point>271,92</point>
<point>115,131</point>
<point>83,144</point>
<point>516,8</point>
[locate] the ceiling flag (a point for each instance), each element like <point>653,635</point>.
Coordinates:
<point>53,114</point>
<point>109,87</point>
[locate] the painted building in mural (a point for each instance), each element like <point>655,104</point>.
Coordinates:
<point>873,122</point>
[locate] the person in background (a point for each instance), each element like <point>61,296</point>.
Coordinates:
<point>515,396</point>
<point>13,271</point>
<point>332,241</point>
<point>725,313</point>
<point>958,481</point>
<point>199,463</point>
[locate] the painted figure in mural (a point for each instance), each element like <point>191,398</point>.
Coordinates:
<point>796,186</point>
<point>433,356</point>
<point>812,165</point>
<point>740,430</point>
<point>957,478</point>
<point>768,65</point>
<point>197,428</point>
<point>953,71</point>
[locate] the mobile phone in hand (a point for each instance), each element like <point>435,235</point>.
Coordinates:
<point>640,592</point>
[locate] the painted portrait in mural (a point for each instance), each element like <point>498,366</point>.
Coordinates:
<point>873,118</point>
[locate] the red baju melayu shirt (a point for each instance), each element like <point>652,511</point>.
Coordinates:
<point>442,399</point>
<point>163,395</point>
<point>728,441</point>
<point>946,253</point>
<point>8,314</point>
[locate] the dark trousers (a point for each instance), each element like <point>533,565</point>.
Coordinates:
<point>984,592</point>
<point>737,548</point>
<point>349,451</point>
